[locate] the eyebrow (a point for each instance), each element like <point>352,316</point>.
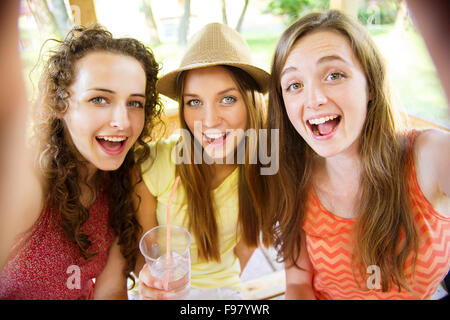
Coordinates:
<point>101,89</point>
<point>111,91</point>
<point>219,93</point>
<point>320,61</point>
<point>331,58</point>
<point>287,70</point>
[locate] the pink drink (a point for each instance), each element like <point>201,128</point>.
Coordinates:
<point>178,274</point>
<point>174,273</point>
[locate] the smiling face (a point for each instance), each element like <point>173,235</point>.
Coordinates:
<point>214,110</point>
<point>325,92</point>
<point>105,114</point>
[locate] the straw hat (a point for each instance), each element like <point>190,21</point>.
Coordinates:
<point>215,44</point>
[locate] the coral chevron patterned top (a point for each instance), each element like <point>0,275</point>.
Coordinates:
<point>329,245</point>
<point>45,265</point>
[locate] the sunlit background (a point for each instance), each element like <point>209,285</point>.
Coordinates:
<point>164,26</point>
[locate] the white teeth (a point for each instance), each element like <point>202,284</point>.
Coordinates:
<point>214,135</point>
<point>112,139</point>
<point>322,120</point>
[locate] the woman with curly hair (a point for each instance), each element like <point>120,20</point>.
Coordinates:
<point>93,120</point>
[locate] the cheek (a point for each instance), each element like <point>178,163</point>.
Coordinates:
<point>138,123</point>
<point>239,118</point>
<point>358,110</point>
<point>294,114</point>
<point>76,124</point>
<point>190,118</point>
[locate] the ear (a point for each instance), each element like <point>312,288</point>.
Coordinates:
<point>61,108</point>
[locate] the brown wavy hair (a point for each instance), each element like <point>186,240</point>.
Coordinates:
<point>59,160</point>
<point>384,215</point>
<point>196,178</point>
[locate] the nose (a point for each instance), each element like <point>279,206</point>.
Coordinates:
<point>315,96</point>
<point>211,117</point>
<point>119,117</point>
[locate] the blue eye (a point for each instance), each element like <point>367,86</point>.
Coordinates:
<point>98,100</point>
<point>335,76</point>
<point>136,104</point>
<point>193,103</point>
<point>228,100</point>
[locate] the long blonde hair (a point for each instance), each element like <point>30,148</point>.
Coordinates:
<point>385,233</point>
<point>196,178</point>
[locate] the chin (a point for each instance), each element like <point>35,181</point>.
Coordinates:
<point>110,165</point>
<point>214,157</point>
<point>324,152</point>
<point>219,156</point>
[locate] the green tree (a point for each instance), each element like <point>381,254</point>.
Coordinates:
<point>293,9</point>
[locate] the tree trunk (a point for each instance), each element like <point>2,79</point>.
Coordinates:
<point>44,19</point>
<point>154,34</point>
<point>241,17</point>
<point>184,24</point>
<point>224,12</point>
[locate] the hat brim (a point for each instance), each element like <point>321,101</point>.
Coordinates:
<point>166,85</point>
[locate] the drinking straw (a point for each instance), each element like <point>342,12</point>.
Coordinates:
<point>168,256</point>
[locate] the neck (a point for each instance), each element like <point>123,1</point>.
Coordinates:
<point>341,170</point>
<point>221,172</point>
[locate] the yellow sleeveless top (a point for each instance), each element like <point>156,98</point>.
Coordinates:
<point>159,177</point>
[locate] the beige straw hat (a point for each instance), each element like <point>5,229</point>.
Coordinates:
<point>215,44</point>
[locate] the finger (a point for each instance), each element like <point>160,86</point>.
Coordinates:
<point>146,277</point>
<point>149,293</point>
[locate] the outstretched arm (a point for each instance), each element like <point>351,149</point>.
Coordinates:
<point>20,187</point>
<point>431,17</point>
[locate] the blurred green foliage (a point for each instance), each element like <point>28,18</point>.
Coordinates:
<point>378,11</point>
<point>294,9</point>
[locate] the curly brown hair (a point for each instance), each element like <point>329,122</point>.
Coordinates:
<point>60,162</point>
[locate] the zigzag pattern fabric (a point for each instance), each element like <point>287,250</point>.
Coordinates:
<point>329,242</point>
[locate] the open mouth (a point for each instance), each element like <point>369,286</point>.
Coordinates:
<point>112,145</point>
<point>325,126</point>
<point>215,138</point>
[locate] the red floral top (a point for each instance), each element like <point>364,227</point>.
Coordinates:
<point>45,264</point>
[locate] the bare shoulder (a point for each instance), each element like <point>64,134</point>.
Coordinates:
<point>431,160</point>
<point>432,138</point>
<point>432,150</point>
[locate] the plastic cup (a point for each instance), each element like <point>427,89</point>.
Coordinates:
<point>175,271</point>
